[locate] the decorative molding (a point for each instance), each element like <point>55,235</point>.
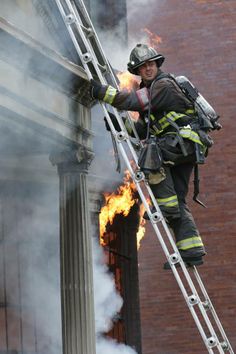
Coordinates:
<point>43,63</point>
<point>73,160</point>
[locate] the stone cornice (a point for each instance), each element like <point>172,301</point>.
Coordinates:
<point>72,160</point>
<point>43,63</point>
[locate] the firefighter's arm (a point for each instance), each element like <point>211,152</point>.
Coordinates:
<point>123,100</point>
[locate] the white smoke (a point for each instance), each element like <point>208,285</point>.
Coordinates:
<point>107,304</point>
<point>109,346</point>
<point>141,15</point>
<point>29,21</point>
<point>31,261</point>
<point>115,50</point>
<point>107,301</point>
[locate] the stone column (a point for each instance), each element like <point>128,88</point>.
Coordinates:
<point>78,325</point>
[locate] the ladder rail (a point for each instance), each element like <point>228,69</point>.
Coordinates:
<point>138,177</point>
<point>72,7</point>
<point>114,79</point>
<point>212,310</point>
<point>194,296</point>
<point>87,70</point>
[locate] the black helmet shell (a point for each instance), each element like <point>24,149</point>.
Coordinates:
<point>140,54</point>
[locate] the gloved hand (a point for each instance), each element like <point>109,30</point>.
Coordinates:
<point>95,87</point>
<point>114,121</point>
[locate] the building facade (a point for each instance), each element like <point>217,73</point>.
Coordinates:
<point>45,153</point>
<point>50,194</point>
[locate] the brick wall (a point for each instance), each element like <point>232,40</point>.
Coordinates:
<point>198,40</point>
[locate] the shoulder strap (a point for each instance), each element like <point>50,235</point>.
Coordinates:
<point>164,76</point>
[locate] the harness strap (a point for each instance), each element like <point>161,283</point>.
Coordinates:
<point>179,137</point>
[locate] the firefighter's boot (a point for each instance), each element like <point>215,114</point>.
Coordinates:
<point>191,257</point>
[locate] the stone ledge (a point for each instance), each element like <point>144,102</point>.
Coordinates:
<point>43,63</point>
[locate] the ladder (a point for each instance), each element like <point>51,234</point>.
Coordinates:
<point>96,65</point>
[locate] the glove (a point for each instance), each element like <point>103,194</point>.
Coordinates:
<point>95,88</point>
<point>114,121</point>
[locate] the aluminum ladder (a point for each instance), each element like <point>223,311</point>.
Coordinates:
<point>95,63</point>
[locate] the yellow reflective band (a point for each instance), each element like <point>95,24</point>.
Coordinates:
<point>110,95</point>
<point>171,115</point>
<point>190,111</point>
<point>154,130</point>
<point>152,117</point>
<point>190,242</point>
<point>190,134</point>
<point>168,202</point>
<point>163,122</point>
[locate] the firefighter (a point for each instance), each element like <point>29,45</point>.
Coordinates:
<point>166,113</point>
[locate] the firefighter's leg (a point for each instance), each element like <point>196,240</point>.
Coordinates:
<point>187,236</point>
<point>166,196</point>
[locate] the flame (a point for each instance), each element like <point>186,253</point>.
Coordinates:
<point>120,202</point>
<point>127,81</point>
<point>117,203</point>
<point>153,39</point>
<point>141,229</point>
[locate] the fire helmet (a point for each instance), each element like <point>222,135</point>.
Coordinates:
<point>142,53</point>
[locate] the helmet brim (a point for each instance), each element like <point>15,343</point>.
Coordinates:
<point>134,69</point>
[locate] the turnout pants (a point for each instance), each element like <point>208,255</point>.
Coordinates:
<point>171,197</point>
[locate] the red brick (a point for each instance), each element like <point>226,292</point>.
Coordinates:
<point>199,42</point>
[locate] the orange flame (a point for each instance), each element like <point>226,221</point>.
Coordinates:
<point>127,81</point>
<point>141,229</point>
<point>117,203</point>
<point>120,202</point>
<point>153,39</point>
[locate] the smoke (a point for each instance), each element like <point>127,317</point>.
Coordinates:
<point>107,304</point>
<point>137,8</point>
<point>115,48</point>
<point>30,266</point>
<point>26,21</point>
<point>107,301</point>
<point>108,346</point>
<point>141,14</point>
<point>32,271</point>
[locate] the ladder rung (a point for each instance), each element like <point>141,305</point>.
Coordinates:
<point>206,305</point>
<point>88,30</point>
<point>225,346</point>
<point>103,68</point>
